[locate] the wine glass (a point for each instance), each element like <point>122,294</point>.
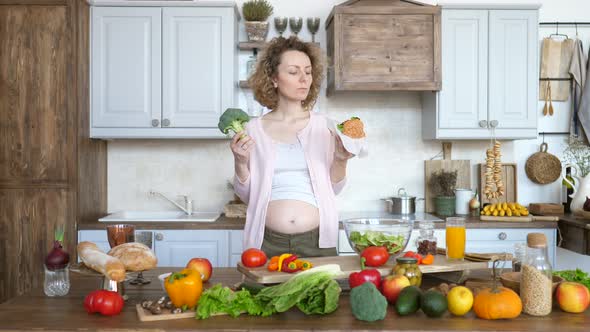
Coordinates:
<point>295,23</point>
<point>313,25</point>
<point>281,25</point>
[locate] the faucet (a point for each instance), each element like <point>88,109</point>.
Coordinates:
<point>188,209</point>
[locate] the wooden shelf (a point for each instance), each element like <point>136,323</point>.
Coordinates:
<point>244,85</point>
<point>247,46</point>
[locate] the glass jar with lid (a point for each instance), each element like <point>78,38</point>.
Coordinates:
<point>426,242</point>
<point>519,256</point>
<point>536,277</point>
<point>408,266</point>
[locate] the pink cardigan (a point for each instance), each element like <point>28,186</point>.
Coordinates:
<point>318,146</point>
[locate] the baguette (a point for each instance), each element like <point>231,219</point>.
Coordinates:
<point>135,256</point>
<point>97,260</point>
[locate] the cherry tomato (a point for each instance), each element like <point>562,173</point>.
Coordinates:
<point>375,256</point>
<point>253,257</point>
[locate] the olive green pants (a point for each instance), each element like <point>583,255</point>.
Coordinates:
<point>301,244</point>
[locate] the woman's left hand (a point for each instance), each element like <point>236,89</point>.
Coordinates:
<point>340,153</point>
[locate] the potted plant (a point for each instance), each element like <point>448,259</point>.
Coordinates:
<point>442,184</point>
<point>256,12</point>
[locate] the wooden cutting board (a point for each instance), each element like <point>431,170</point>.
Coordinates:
<point>463,168</point>
<point>145,315</point>
<point>529,218</point>
<point>510,179</point>
<point>349,264</point>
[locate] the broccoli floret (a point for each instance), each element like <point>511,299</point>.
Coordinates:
<point>367,303</point>
<point>233,119</point>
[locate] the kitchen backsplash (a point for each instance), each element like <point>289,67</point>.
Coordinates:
<point>202,168</point>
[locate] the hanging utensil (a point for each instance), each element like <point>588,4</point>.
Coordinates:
<point>545,108</point>
<point>550,100</point>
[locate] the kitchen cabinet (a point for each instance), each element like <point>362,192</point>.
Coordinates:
<point>497,240</point>
<point>162,72</point>
<point>51,174</point>
<point>176,247</point>
<point>490,74</point>
<point>383,45</point>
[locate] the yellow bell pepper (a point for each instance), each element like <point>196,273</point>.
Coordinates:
<point>281,259</point>
<point>184,288</point>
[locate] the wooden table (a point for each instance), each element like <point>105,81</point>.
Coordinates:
<point>40,313</point>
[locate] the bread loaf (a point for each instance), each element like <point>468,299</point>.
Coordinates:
<point>135,256</point>
<point>97,260</point>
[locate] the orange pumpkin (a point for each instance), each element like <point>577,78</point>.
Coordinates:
<point>497,303</point>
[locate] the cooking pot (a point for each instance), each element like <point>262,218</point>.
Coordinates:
<point>402,203</point>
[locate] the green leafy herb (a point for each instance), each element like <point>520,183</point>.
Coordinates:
<point>576,275</point>
<point>393,243</point>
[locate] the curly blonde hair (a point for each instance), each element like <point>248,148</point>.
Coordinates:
<point>261,80</point>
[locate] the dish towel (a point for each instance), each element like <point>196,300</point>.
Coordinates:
<point>577,71</point>
<point>556,56</point>
<point>583,110</point>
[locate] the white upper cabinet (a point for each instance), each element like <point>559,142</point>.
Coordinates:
<point>162,72</point>
<point>126,67</point>
<point>489,76</point>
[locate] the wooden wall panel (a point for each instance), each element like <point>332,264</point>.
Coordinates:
<point>28,219</point>
<point>35,74</point>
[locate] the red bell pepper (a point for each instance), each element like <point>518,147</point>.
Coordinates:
<point>375,256</point>
<point>288,264</point>
<point>105,302</point>
<point>365,275</point>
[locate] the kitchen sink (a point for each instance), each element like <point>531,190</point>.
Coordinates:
<point>160,216</point>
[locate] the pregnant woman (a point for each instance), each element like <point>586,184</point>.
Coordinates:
<point>289,166</point>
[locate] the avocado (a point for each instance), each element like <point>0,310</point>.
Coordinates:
<point>408,301</point>
<point>433,303</point>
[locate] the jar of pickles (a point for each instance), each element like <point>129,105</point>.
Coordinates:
<point>408,266</point>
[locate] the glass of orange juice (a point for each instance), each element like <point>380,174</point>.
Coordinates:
<point>455,238</point>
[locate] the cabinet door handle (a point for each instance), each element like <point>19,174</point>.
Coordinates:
<point>494,123</point>
<point>155,122</point>
<point>165,123</point>
<point>483,123</point>
<point>502,236</point>
<point>159,236</point>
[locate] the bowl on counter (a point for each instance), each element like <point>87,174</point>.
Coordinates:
<point>393,234</point>
<point>512,280</point>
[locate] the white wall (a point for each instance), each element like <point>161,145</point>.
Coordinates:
<point>393,120</point>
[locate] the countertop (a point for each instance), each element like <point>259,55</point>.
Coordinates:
<point>225,223</point>
<point>36,312</point>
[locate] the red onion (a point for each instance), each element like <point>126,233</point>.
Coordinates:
<point>57,258</point>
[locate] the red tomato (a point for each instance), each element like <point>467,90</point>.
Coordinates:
<point>105,302</point>
<point>414,255</point>
<point>375,256</point>
<point>253,257</point>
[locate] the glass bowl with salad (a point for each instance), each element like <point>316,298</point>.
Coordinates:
<point>393,234</point>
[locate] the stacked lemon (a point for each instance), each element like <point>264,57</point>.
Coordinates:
<point>509,209</point>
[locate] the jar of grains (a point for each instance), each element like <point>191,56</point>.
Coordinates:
<point>536,277</point>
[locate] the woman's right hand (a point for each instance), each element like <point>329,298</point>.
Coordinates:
<point>241,146</point>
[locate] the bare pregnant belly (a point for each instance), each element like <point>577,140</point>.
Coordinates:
<point>291,216</point>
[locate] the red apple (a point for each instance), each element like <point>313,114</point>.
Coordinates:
<point>572,297</point>
<point>392,285</point>
<point>202,265</point>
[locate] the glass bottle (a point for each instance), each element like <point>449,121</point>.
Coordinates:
<point>408,266</point>
<point>251,64</point>
<point>426,242</point>
<point>519,256</point>
<point>536,277</point>
<point>57,281</point>
<point>566,191</point>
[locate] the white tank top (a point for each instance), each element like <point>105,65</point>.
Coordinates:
<point>291,175</point>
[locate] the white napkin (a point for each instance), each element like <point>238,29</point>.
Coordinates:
<point>356,146</point>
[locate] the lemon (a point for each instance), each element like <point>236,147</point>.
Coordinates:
<point>460,300</point>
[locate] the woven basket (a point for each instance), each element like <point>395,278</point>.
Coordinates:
<point>543,167</point>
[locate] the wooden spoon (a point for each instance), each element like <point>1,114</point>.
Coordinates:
<point>545,107</point>
<point>550,101</point>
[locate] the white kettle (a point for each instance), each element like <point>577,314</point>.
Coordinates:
<point>581,187</point>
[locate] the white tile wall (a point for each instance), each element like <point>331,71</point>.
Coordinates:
<point>202,168</point>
